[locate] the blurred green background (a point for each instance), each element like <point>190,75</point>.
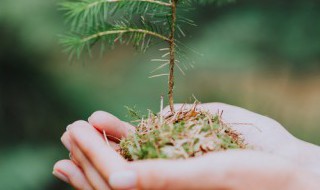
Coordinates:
<point>263,55</point>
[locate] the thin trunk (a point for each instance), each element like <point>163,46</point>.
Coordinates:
<point>172,54</point>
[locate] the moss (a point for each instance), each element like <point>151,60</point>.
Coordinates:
<point>186,133</point>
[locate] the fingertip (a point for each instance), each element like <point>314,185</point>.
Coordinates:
<point>113,126</point>
<point>79,123</point>
<point>60,170</point>
<point>93,117</point>
<point>77,126</point>
<point>69,172</point>
<point>100,118</point>
<point>59,164</point>
<point>80,130</point>
<point>65,139</point>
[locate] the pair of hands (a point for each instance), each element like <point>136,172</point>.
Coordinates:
<point>278,160</point>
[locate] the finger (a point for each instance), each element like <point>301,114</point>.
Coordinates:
<point>176,175</point>
<point>213,171</point>
<point>221,170</point>
<point>113,126</point>
<point>100,155</point>
<point>67,171</point>
<point>66,141</point>
<point>92,175</point>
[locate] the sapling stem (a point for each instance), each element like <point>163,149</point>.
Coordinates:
<point>161,109</point>
<point>172,54</point>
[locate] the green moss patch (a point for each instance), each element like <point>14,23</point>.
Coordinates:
<point>189,132</point>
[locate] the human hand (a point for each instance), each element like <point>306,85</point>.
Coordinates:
<point>267,135</point>
<point>79,171</point>
<point>235,115</point>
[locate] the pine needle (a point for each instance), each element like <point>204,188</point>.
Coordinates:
<point>159,75</point>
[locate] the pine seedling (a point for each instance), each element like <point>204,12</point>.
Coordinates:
<point>115,21</point>
<point>180,134</point>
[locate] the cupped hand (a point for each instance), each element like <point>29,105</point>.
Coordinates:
<point>267,135</point>
<point>260,132</point>
<point>96,165</point>
<point>87,144</point>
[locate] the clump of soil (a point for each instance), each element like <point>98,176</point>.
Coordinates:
<point>189,132</point>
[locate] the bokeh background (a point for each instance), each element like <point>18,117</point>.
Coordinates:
<point>263,55</point>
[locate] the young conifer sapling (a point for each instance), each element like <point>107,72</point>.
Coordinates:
<point>183,133</point>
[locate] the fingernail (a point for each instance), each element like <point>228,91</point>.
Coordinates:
<point>90,118</point>
<point>123,180</point>
<point>67,129</point>
<point>61,176</point>
<point>65,141</point>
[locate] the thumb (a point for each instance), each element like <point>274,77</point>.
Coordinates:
<point>177,175</point>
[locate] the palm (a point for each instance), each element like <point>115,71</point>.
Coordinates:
<point>260,132</point>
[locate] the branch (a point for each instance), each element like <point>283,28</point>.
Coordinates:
<point>115,1</point>
<point>147,32</point>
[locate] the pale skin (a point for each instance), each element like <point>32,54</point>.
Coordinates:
<point>277,159</point>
